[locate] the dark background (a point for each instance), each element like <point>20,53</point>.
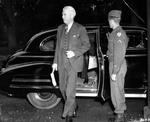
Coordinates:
<point>21,19</point>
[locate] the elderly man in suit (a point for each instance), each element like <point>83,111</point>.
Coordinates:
<point>72,43</point>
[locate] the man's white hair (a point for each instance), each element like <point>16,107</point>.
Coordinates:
<point>71,9</point>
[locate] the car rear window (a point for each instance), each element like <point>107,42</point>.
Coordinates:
<point>48,44</point>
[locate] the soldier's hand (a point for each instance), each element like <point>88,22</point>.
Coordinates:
<point>54,66</point>
<point>113,77</point>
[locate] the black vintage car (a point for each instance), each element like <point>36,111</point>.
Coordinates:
<point>27,72</point>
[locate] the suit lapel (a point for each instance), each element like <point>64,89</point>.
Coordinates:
<point>73,29</point>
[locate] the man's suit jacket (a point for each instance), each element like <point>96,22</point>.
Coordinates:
<point>78,43</point>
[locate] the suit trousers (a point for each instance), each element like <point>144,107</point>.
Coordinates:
<point>68,89</point>
<point>117,88</point>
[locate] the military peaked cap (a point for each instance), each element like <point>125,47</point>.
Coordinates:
<point>114,14</point>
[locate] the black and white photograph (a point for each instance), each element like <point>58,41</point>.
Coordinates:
<point>74,60</point>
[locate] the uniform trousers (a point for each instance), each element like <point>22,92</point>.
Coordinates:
<point>117,88</point>
<point>68,88</point>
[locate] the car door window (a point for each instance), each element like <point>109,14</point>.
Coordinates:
<point>136,40</point>
<point>48,44</point>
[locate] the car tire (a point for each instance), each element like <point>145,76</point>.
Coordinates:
<point>43,100</point>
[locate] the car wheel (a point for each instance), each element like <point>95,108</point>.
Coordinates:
<point>43,100</point>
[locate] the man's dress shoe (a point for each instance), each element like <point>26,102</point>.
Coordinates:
<point>69,119</point>
<point>63,117</point>
<point>73,115</point>
<point>120,118</point>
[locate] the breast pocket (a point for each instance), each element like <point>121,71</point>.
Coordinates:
<point>75,36</point>
<point>75,40</point>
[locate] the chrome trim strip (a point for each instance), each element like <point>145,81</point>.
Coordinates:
<point>89,89</point>
<point>30,80</point>
<point>135,95</point>
<point>144,119</point>
<point>18,53</point>
<point>87,94</point>
<point>16,66</point>
<point>126,95</point>
<point>33,87</point>
<point>34,56</point>
<point>141,55</point>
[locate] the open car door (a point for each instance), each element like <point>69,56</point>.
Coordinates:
<point>91,79</point>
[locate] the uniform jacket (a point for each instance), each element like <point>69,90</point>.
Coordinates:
<point>78,43</point>
<point>117,44</point>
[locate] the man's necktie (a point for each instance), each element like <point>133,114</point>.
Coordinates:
<point>66,29</point>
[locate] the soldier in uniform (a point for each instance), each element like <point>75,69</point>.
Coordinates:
<point>117,44</point>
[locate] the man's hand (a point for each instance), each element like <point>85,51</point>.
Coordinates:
<point>113,77</point>
<point>70,54</point>
<point>54,66</point>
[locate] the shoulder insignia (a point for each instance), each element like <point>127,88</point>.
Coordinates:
<point>119,34</point>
